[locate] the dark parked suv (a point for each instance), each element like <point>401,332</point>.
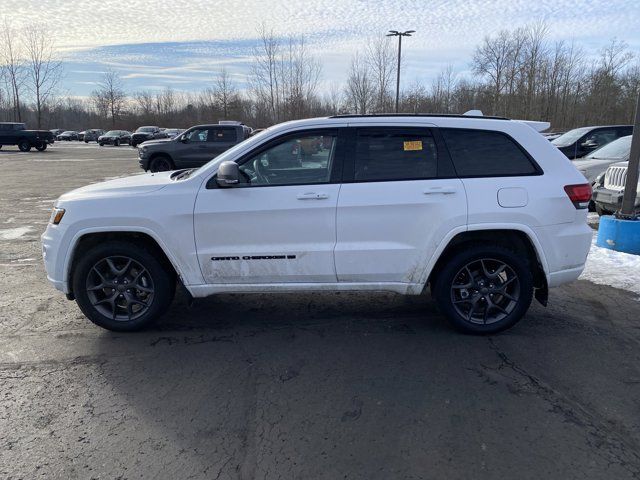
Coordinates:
<point>578,142</point>
<point>143,134</point>
<point>193,148</point>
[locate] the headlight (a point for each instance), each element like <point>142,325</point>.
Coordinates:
<point>56,215</point>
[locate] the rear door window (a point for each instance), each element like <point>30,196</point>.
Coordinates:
<point>394,154</point>
<point>223,135</point>
<point>484,153</point>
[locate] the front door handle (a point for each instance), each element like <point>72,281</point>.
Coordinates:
<point>443,190</point>
<point>312,196</point>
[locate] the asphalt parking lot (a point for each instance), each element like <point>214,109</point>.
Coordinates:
<point>298,386</point>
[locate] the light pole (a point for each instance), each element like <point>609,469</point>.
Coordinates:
<point>395,33</point>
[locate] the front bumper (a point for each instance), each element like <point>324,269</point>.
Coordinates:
<point>143,160</point>
<point>611,200</point>
<point>53,258</point>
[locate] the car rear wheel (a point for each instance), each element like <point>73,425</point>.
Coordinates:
<point>484,289</point>
<point>24,145</point>
<point>116,142</point>
<point>122,286</point>
<point>161,163</point>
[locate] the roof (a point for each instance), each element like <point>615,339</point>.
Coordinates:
<point>411,115</point>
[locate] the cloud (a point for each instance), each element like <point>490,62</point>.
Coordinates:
<point>196,38</point>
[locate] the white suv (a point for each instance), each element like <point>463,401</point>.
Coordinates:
<point>483,210</point>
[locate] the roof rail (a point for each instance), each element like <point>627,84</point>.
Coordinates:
<point>451,115</point>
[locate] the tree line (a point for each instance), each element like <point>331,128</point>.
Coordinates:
<point>518,73</point>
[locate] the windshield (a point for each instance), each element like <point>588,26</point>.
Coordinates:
<point>145,129</point>
<point>69,132</point>
<point>229,154</point>
<point>570,137</point>
<point>619,148</point>
<point>112,132</point>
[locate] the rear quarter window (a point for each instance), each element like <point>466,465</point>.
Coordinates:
<point>483,153</point>
<point>224,135</point>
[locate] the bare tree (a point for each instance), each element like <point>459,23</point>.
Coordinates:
<point>381,60</point>
<point>225,93</point>
<point>442,90</point>
<point>264,72</point>
<point>43,70</point>
<point>13,62</point>
<point>109,97</point>
<point>360,89</point>
<point>491,59</point>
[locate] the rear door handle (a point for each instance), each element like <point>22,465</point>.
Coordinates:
<point>312,196</point>
<point>443,190</point>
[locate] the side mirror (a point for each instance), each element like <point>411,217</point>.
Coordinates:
<point>184,139</point>
<point>228,174</point>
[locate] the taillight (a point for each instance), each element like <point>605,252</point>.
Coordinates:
<point>580,195</point>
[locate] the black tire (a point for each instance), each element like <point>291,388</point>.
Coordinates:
<point>602,211</point>
<point>41,147</point>
<point>512,306</point>
<point>24,145</point>
<point>86,141</point>
<point>161,163</point>
<point>116,143</point>
<point>101,144</point>
<point>161,280</point>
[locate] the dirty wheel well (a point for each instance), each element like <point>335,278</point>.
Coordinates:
<point>514,240</point>
<point>142,239</point>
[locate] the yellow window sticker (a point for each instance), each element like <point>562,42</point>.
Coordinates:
<point>413,145</point>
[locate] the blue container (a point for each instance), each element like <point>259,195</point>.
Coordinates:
<point>619,235</point>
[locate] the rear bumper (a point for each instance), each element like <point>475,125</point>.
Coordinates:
<point>565,247</point>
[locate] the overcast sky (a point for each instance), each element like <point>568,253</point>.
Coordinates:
<point>184,43</point>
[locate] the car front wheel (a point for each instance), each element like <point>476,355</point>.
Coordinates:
<point>122,286</point>
<point>41,147</point>
<point>484,289</point>
<point>161,163</point>
<point>24,146</point>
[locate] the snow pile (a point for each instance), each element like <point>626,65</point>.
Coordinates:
<point>14,233</point>
<point>616,269</point>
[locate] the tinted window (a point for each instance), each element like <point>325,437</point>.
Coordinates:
<point>395,154</point>
<point>298,160</point>
<point>198,135</point>
<point>480,153</point>
<point>223,135</point>
<point>602,137</point>
<point>619,148</point>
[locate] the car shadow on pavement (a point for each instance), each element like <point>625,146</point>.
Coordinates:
<point>237,384</point>
<point>364,386</point>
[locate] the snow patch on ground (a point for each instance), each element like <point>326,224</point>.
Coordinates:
<point>616,269</point>
<point>14,233</point>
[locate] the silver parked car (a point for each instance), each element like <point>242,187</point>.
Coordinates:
<point>92,135</point>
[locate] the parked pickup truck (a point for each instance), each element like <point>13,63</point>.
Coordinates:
<point>193,148</point>
<point>17,134</point>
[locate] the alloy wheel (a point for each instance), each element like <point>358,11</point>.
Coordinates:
<point>485,291</point>
<point>120,288</point>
